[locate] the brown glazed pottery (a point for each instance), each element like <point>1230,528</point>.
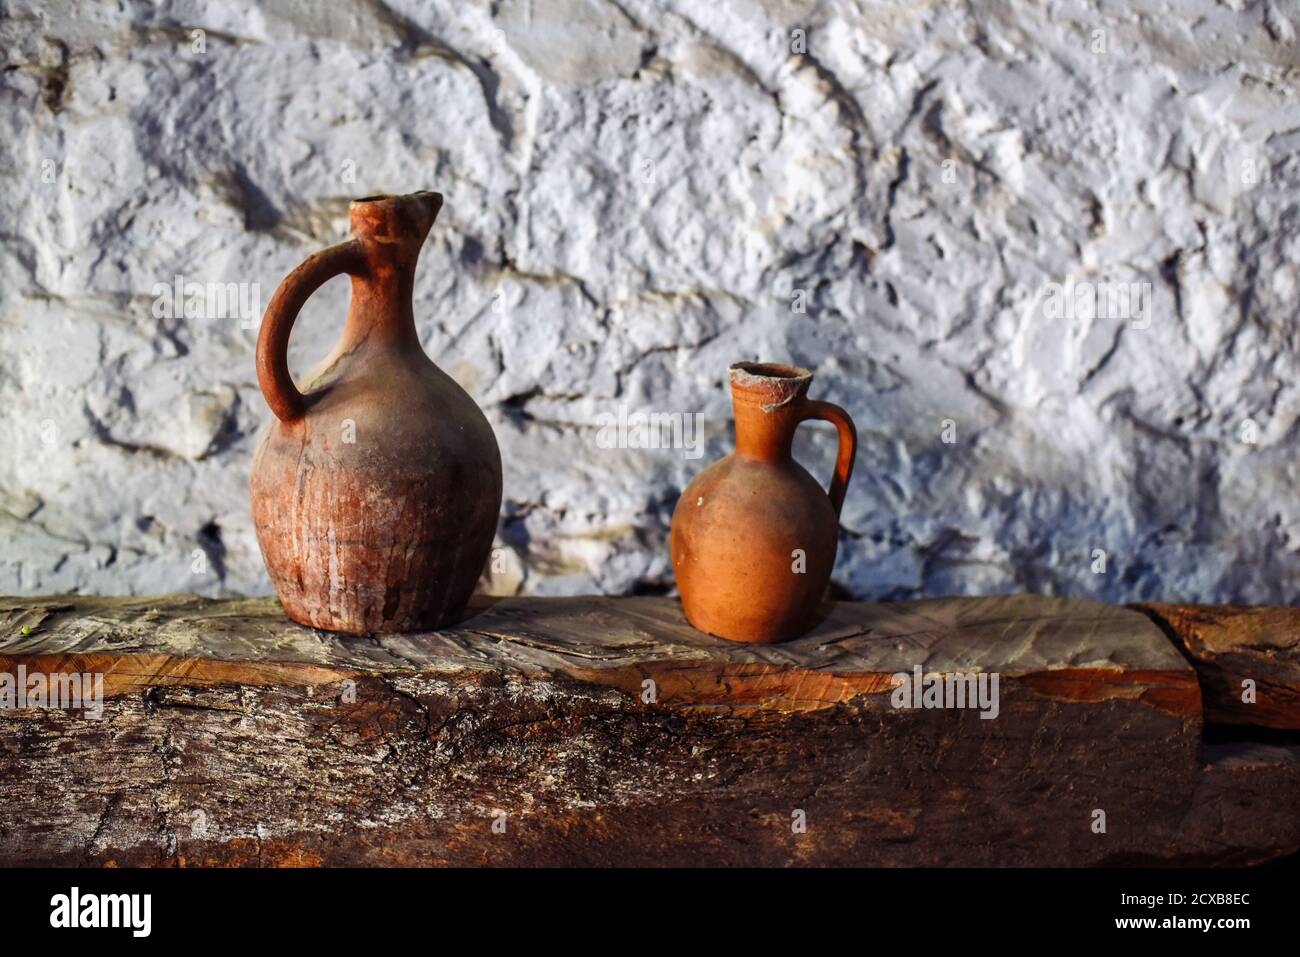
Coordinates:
<point>754,536</point>
<point>376,489</point>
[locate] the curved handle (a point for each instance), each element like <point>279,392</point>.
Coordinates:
<point>273,340</point>
<point>848,449</point>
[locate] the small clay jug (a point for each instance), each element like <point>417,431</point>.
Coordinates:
<point>376,489</point>
<point>754,535</point>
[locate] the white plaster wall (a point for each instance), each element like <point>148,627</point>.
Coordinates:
<point>638,194</point>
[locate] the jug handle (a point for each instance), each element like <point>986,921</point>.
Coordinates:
<point>848,447</point>
<point>273,339</point>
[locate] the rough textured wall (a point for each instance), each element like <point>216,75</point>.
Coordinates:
<point>639,194</point>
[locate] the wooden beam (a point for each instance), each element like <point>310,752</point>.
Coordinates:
<point>607,731</point>
<point>1248,659</point>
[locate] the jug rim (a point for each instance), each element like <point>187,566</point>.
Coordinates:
<point>770,371</point>
<point>769,384</point>
<point>389,218</point>
<point>420,195</point>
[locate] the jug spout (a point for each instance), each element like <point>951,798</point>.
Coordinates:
<point>395,221</point>
<point>768,399</point>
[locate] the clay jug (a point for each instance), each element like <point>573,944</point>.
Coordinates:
<point>754,535</point>
<point>376,488</point>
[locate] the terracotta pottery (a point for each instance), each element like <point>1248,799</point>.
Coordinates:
<point>754,535</point>
<point>376,489</point>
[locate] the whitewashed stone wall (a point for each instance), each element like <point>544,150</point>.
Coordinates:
<point>637,195</point>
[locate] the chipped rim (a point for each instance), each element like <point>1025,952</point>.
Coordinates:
<point>771,384</point>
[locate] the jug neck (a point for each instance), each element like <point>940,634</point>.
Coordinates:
<point>390,231</point>
<point>768,400</point>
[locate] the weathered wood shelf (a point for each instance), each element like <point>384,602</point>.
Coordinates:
<point>607,731</point>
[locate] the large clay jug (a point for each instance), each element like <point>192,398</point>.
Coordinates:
<point>376,489</point>
<point>754,535</point>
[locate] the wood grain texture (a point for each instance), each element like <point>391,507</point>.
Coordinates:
<point>232,736</point>
<point>1232,644</point>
